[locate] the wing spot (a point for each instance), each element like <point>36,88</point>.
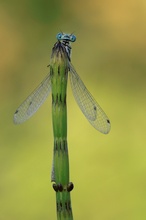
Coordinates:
<point>95,108</point>
<point>108,121</point>
<point>16,111</point>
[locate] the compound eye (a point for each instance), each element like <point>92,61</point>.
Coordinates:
<point>59,36</point>
<point>72,38</point>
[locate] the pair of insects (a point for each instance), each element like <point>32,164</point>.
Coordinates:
<point>90,108</point>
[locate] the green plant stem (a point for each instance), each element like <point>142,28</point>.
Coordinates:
<point>59,75</point>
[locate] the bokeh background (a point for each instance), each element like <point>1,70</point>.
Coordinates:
<point>108,171</point>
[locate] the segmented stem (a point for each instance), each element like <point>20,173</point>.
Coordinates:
<point>60,170</point>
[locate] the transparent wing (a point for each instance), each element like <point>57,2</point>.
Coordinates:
<point>90,108</point>
<point>33,101</point>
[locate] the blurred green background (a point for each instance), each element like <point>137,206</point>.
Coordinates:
<point>108,171</point>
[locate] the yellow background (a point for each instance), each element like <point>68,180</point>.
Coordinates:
<point>108,171</point>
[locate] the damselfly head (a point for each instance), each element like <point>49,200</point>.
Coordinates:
<point>66,37</point>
